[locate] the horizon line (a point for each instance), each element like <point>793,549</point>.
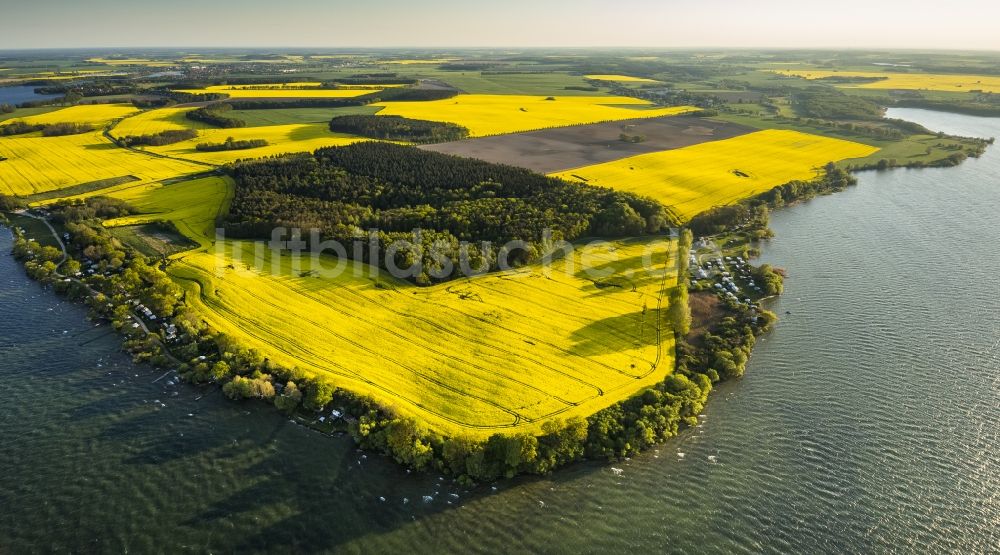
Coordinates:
<point>535,47</point>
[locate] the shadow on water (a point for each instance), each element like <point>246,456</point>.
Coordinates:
<point>169,437</point>
<point>108,403</point>
<point>328,500</point>
<point>332,509</point>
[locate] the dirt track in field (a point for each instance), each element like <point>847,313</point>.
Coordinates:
<point>564,148</point>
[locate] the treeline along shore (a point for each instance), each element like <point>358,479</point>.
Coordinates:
<point>120,285</point>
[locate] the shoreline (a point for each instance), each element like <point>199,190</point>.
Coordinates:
<point>56,279</point>
<point>692,413</point>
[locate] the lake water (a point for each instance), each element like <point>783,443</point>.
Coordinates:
<point>21,93</point>
<point>868,421</point>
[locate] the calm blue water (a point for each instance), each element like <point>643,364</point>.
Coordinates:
<point>18,94</point>
<point>868,422</point>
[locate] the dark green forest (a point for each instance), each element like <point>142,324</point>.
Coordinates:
<point>345,191</point>
<point>398,128</point>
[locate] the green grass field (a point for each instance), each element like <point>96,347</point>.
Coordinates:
<point>286,116</point>
<point>153,239</point>
<point>34,229</point>
<point>533,80</point>
<point>517,83</point>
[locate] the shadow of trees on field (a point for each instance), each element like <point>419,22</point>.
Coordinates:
<point>309,132</point>
<point>635,273</point>
<point>616,333</point>
<point>99,146</point>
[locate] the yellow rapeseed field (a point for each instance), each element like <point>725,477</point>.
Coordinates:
<point>693,179</point>
<point>282,139</point>
<point>132,62</point>
<point>266,86</point>
<point>495,353</point>
<point>420,62</point>
<point>63,76</point>
<point>621,78</point>
<point>156,121</point>
<point>222,59</point>
<point>36,164</point>
<point>97,115</point>
<point>489,114</point>
<point>244,91</point>
<point>914,81</point>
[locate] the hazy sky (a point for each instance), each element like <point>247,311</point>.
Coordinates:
<point>968,24</point>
